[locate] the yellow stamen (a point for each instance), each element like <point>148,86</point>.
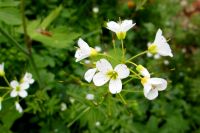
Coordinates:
<point>153,49</point>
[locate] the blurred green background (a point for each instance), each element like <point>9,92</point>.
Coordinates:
<point>53,28</point>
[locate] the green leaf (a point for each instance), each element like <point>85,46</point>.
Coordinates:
<point>10,16</point>
<point>51,17</point>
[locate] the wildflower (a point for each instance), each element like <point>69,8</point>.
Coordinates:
<point>155,56</point>
<point>90,74</point>
<point>160,45</point>
<point>18,107</point>
<point>152,86</point>
<point>63,106</point>
<point>28,78</point>
<point>143,71</point>
<point>84,50</point>
<point>120,28</point>
<point>2,72</point>
<point>1,99</point>
<point>19,89</point>
<point>107,73</point>
<point>90,97</point>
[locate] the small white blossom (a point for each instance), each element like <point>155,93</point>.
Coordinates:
<point>95,9</point>
<point>143,71</point>
<point>84,50</point>
<point>1,99</point>
<point>107,73</point>
<point>72,100</point>
<point>90,74</point>
<point>89,97</point>
<point>19,89</point>
<point>63,106</point>
<point>2,72</point>
<point>155,56</point>
<point>160,45</point>
<point>18,107</point>
<point>152,86</point>
<point>97,124</point>
<point>98,48</point>
<point>120,28</point>
<point>87,61</point>
<point>166,62</point>
<point>28,78</point>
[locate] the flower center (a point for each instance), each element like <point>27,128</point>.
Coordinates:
<point>144,80</point>
<point>93,52</point>
<point>153,49</point>
<point>121,35</point>
<point>18,88</point>
<point>112,74</point>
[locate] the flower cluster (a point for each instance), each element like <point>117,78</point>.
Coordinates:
<point>102,71</point>
<point>15,88</point>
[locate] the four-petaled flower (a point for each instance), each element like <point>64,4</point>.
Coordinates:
<point>106,73</point>
<point>18,107</point>
<point>152,86</point>
<point>84,50</point>
<point>28,78</point>
<point>160,45</point>
<point>19,89</point>
<point>2,73</point>
<point>120,28</point>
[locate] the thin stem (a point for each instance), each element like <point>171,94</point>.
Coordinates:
<point>131,63</point>
<point>127,81</point>
<point>122,98</point>
<point>135,74</point>
<point>144,52</point>
<point>6,93</point>
<point>4,88</point>
<point>6,80</point>
<point>81,114</point>
<point>13,41</point>
<point>123,51</point>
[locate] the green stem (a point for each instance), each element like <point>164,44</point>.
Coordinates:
<point>131,63</point>
<point>6,80</point>
<point>123,51</point>
<point>122,98</point>
<point>81,114</point>
<point>137,55</point>
<point>4,88</point>
<point>13,41</point>
<point>135,74</point>
<point>133,77</point>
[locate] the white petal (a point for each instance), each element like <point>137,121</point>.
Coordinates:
<point>14,84</point>
<point>23,93</point>
<point>162,45</point>
<point>81,54</point>
<point>90,74</point>
<point>82,44</point>
<point>24,85</point>
<point>122,71</point>
<point>100,79</point>
<point>153,93</point>
<point>126,25</point>
<point>2,67</point>
<point>149,54</point>
<point>159,83</point>
<point>103,66</point>
<point>145,73</point>
<point>115,86</point>
<point>18,107</point>
<point>13,93</point>
<point>113,26</point>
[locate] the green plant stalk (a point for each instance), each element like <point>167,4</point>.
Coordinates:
<point>81,114</point>
<point>137,55</point>
<point>123,51</point>
<point>123,100</point>
<point>28,42</point>
<point>6,80</point>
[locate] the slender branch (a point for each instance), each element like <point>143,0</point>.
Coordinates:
<point>131,63</point>
<point>122,98</point>
<point>6,80</point>
<point>13,41</point>
<point>123,51</point>
<point>144,52</point>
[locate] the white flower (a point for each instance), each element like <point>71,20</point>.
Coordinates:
<point>28,78</point>
<point>98,48</point>
<point>152,86</point>
<point>87,61</point>
<point>90,74</point>
<point>143,71</point>
<point>2,72</point>
<point>95,9</point>
<point>89,97</point>
<point>63,106</point>
<point>19,89</point>
<point>166,62</point>
<point>107,73</point>
<point>1,99</point>
<point>84,50</point>
<point>160,45</point>
<point>18,107</point>
<point>120,28</point>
